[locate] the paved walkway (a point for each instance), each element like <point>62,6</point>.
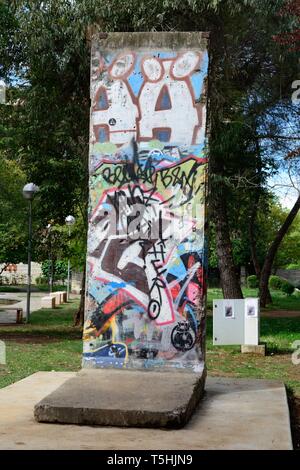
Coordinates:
<point>235,414</point>
<point>20,298</point>
<point>20,301</point>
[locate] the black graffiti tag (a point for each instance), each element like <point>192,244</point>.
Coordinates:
<point>183,336</point>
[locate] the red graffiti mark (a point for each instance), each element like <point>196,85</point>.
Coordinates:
<point>115,303</point>
<point>175,289</point>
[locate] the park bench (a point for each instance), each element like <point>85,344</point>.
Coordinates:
<point>54,299</point>
<point>63,296</point>
<point>48,301</point>
<point>18,310</point>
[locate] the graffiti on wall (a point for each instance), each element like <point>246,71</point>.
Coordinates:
<point>146,242</point>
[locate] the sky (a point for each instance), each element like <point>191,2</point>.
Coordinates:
<point>280,186</point>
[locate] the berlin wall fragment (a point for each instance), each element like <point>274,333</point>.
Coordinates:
<point>145,291</point>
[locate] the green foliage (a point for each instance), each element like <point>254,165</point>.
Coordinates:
<point>275,282</point>
<point>53,118</point>
<point>270,217</point>
<point>46,131</point>
<point>293,266</point>
<point>60,348</point>
<point>252,281</point>
<point>280,301</point>
<point>40,280</point>
<point>58,243</point>
<point>60,270</point>
<point>13,244</point>
<point>13,213</point>
<point>289,251</point>
<point>8,49</point>
<point>212,254</point>
<point>45,128</point>
<point>287,287</point>
<point>46,269</point>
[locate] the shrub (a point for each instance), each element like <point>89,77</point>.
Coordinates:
<point>275,282</point>
<point>252,281</point>
<point>287,288</point>
<point>41,280</point>
<point>293,266</point>
<point>60,270</point>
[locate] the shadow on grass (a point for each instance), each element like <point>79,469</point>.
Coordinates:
<point>272,349</point>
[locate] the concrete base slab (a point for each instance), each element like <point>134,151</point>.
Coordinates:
<point>112,397</point>
<point>259,349</point>
<point>234,414</point>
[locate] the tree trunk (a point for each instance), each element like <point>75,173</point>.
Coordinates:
<point>79,315</point>
<point>229,279</point>
<point>216,102</point>
<point>4,268</point>
<point>253,250</point>
<point>52,273</point>
<point>252,240</point>
<point>267,267</point>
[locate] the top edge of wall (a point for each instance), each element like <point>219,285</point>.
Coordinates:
<point>169,40</point>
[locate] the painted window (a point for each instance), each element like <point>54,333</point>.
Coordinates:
<point>163,101</point>
<point>163,134</point>
<point>101,99</point>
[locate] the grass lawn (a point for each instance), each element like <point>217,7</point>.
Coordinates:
<point>51,342</point>
<point>279,334</point>
<point>281,301</point>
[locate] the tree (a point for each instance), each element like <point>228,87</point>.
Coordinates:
<point>59,270</point>
<point>288,255</point>
<point>53,66</point>
<point>51,118</point>
<point>13,214</point>
<point>8,47</point>
<point>290,38</point>
<point>294,171</point>
<point>292,10</point>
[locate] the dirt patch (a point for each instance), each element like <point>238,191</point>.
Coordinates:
<point>294,405</point>
<point>281,313</point>
<point>26,338</point>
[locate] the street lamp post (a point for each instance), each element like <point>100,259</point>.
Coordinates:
<point>50,272</point>
<point>29,191</point>
<point>70,220</point>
